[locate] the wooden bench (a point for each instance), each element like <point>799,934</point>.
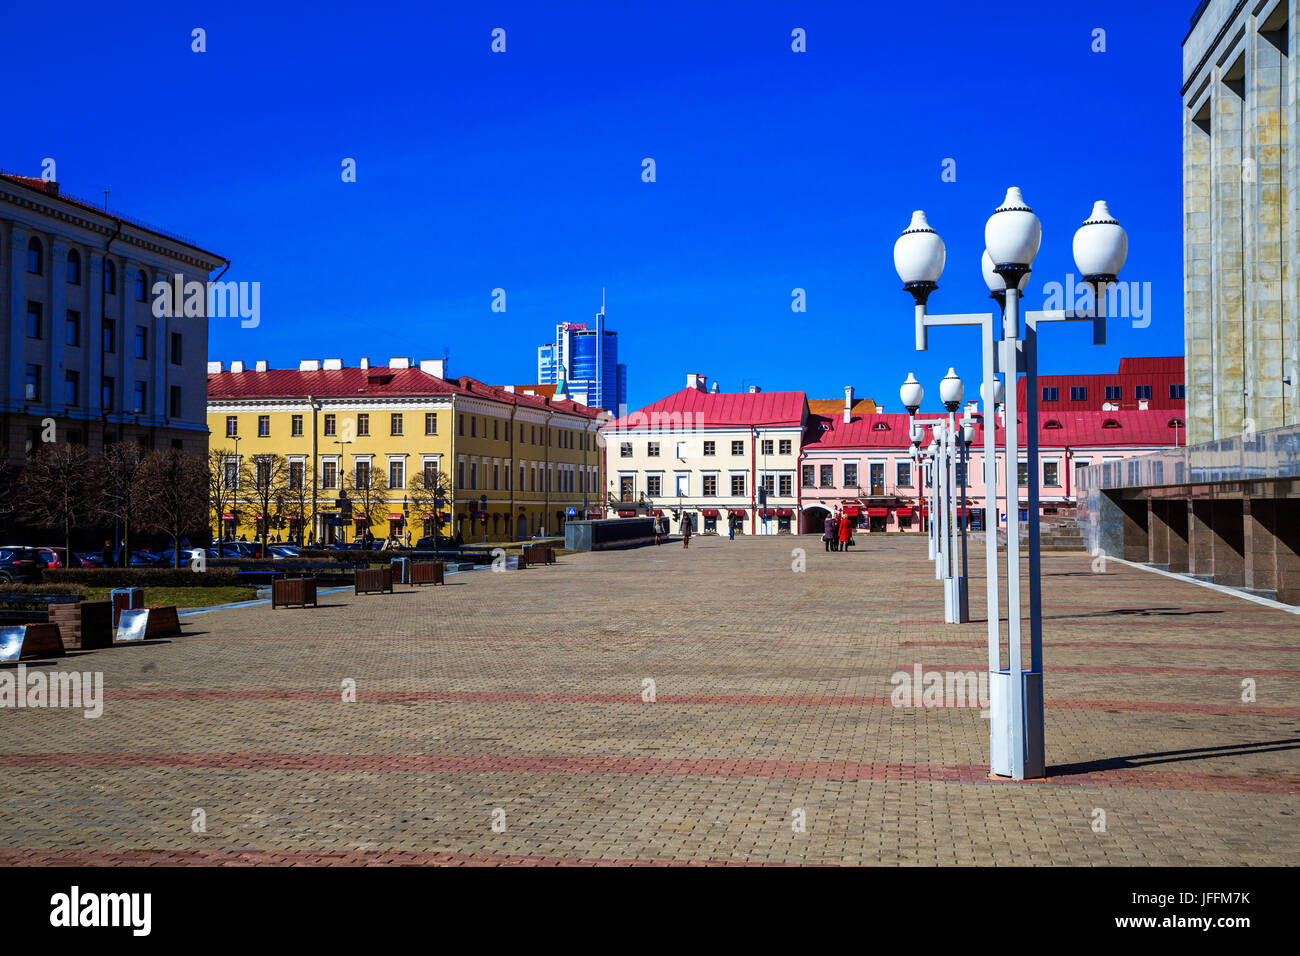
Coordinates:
<point>426,572</point>
<point>287,591</point>
<point>373,581</point>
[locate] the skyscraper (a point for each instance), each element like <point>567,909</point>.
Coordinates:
<point>585,357</point>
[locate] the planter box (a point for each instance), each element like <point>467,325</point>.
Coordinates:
<point>539,554</point>
<point>426,572</point>
<point>373,581</point>
<point>42,640</point>
<point>401,570</point>
<point>85,625</point>
<point>125,599</point>
<point>163,622</point>
<point>299,591</point>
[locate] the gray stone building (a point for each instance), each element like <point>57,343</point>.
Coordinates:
<point>79,341</point>
<point>1241,215</point>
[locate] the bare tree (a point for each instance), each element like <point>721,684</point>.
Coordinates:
<point>368,490</point>
<point>430,492</point>
<point>119,489</point>
<point>227,478</point>
<point>57,489</point>
<point>270,476</point>
<point>296,499</point>
<point>174,495</point>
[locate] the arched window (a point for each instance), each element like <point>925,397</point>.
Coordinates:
<point>880,427</point>
<point>141,286</point>
<point>1111,423</point>
<point>110,277</point>
<point>1052,423</point>
<point>1177,423</point>
<point>35,257</point>
<point>74,267</point>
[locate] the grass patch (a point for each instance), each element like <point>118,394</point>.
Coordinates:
<point>183,597</point>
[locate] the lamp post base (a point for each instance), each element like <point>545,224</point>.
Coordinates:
<point>956,601</point>
<point>1004,741</point>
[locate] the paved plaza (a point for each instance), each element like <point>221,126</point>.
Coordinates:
<point>503,719</point>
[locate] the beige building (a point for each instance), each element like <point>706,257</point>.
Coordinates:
<point>79,341</point>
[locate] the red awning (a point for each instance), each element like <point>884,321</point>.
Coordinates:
<point>658,513</point>
<point>852,512</point>
<point>739,515</point>
<point>738,511</point>
<point>627,514</point>
<point>925,512</point>
<point>710,512</point>
<point>395,517</point>
<point>426,517</point>
<point>227,517</point>
<point>593,515</point>
<point>769,512</point>
<point>877,512</point>
<point>903,512</point>
<point>784,513</point>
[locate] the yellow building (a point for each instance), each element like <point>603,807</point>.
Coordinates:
<point>516,463</point>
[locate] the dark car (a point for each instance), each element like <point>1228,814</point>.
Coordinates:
<point>20,565</point>
<point>85,559</point>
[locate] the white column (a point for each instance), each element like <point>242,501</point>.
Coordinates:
<point>17,313</point>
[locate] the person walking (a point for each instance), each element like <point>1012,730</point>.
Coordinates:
<point>731,527</point>
<point>106,559</point>
<point>846,532</point>
<point>828,531</point>
<point>686,530</point>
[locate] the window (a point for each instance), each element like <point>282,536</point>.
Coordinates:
<point>959,475</point>
<point>230,473</point>
<point>71,388</point>
<point>710,486</point>
<point>109,330</point>
<point>654,485</point>
<point>1110,423</point>
<point>904,474</point>
<point>769,484</point>
<point>496,476</point>
<point>430,423</point>
<point>625,487</point>
<point>737,485</point>
<point>1114,393</point>
<point>1177,423</point>
<point>430,475</point>
<point>767,446</point>
<point>110,277</point>
<point>178,348</point>
<point>263,426</point>
<point>363,425</point>
<point>1178,391</point>
<point>74,267</point>
<point>473,474</point>
<point>710,449</point>
<point>652,449</point>
<point>329,474</point>
<point>683,486</point>
<point>850,474</point>
<point>295,476</point>
<point>330,424</point>
<point>827,476</point>
<point>32,383</point>
<point>785,446</point>
<point>1142,392</point>
<point>361,473</point>
<point>141,342</point>
<point>34,320</point>
<point>175,401</point>
<point>107,386</point>
<point>232,426</point>
<point>1052,423</point>
<point>625,449</point>
<point>473,426</point>
<point>784,483</point>
<point>72,328</point>
<point>806,479</point>
<point>295,426</point>
<point>141,287</point>
<point>1022,474</point>
<point>737,447</point>
<point>681,449</point>
<point>1051,474</point>
<point>35,256</point>
<point>1078,393</point>
<point>139,394</point>
<point>396,473</point>
<point>496,432</point>
<point>1050,393</point>
<point>460,424</point>
<point>460,474</point>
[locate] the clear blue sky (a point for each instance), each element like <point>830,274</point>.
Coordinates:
<point>522,171</point>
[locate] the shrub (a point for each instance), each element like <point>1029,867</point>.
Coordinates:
<point>143,577</point>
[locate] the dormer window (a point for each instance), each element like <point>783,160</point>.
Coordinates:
<point>1177,423</point>
<point>1052,423</point>
<point>880,427</point>
<point>1111,423</point>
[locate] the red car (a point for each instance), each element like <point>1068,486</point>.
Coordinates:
<point>53,557</point>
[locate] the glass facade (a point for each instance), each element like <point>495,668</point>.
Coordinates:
<point>587,356</point>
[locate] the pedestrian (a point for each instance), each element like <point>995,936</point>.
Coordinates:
<point>658,528</point>
<point>686,530</point>
<point>828,532</point>
<point>731,527</point>
<point>106,559</point>
<point>846,532</point>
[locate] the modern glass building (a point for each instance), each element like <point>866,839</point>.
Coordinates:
<point>586,358</point>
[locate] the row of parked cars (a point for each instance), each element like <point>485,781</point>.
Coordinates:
<point>21,564</point>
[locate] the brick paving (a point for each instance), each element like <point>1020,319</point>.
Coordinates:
<point>521,692</point>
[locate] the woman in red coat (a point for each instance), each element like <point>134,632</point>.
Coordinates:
<point>846,532</point>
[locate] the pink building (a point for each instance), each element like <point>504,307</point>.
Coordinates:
<point>860,462</point>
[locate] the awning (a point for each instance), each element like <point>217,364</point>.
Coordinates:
<point>396,517</point>
<point>627,514</point>
<point>852,512</point>
<point>925,512</point>
<point>903,512</point>
<point>710,512</point>
<point>227,517</point>
<point>426,517</point>
<point>738,511</point>
<point>740,515</point>
<point>784,512</point>
<point>877,512</point>
<point>769,512</point>
<point>593,515</point>
<point>658,513</point>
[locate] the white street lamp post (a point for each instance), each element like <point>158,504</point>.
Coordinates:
<point>1011,237</point>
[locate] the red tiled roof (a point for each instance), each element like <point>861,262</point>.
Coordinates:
<point>722,409</point>
<point>1158,372</point>
<point>374,381</point>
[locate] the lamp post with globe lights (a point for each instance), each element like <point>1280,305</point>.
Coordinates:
<point>1012,237</point>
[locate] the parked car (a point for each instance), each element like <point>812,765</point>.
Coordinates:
<point>144,558</point>
<point>85,559</point>
<point>167,558</point>
<point>283,551</point>
<point>53,557</point>
<point>20,565</point>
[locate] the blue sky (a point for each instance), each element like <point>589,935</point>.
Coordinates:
<point>775,170</point>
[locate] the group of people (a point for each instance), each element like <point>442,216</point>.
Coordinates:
<point>838,533</point>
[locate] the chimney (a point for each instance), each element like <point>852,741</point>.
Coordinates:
<point>332,365</point>
<point>1143,404</point>
<point>529,391</point>
<point>436,367</point>
<point>260,366</point>
<point>754,389</point>
<point>215,367</point>
<point>972,407</point>
<point>714,389</point>
<point>848,404</point>
<point>695,380</point>
<point>236,366</point>
<point>365,362</point>
<point>309,365</point>
<point>399,363</point>
<point>509,388</point>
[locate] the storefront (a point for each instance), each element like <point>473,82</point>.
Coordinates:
<point>710,516</point>
<point>738,517</point>
<point>877,519</point>
<point>905,516</point>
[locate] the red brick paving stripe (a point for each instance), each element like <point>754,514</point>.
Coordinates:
<point>45,857</point>
<point>642,766</point>
<point>1125,669</point>
<point>705,700</point>
<point>1121,645</point>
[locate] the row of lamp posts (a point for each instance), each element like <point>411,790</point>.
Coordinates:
<point>1011,238</point>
